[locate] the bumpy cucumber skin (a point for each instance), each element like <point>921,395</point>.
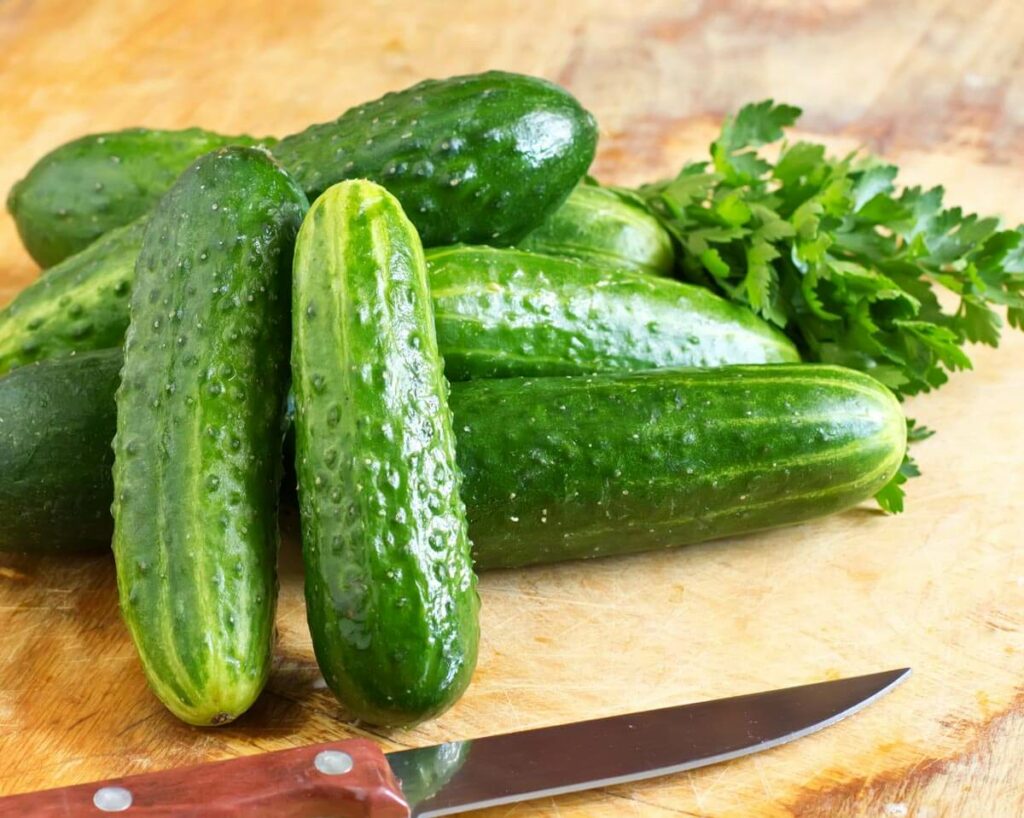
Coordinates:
<point>595,225</point>
<point>499,313</point>
<point>477,158</point>
<point>56,423</point>
<point>89,186</point>
<point>504,313</point>
<point>564,468</point>
<point>199,429</point>
<point>390,591</point>
<point>510,439</point>
<point>81,304</point>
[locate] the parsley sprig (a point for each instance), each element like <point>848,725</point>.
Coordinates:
<point>831,250</point>
<point>850,265</point>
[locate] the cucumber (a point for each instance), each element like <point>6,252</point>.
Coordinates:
<point>80,304</point>
<point>597,225</point>
<point>87,187</point>
<point>476,158</point>
<point>512,437</point>
<point>57,419</point>
<point>500,313</point>
<point>390,592</point>
<point>565,468</point>
<point>199,428</point>
<point>503,313</point>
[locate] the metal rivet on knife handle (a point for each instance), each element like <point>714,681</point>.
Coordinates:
<point>112,799</point>
<point>333,762</point>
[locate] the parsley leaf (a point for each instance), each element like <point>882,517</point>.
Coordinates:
<point>851,266</point>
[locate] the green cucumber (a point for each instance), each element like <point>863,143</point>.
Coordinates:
<point>564,468</point>
<point>500,313</point>
<point>599,226</point>
<point>476,158</point>
<point>80,304</point>
<point>57,419</point>
<point>514,438</point>
<point>390,592</point>
<point>199,432</point>
<point>87,187</point>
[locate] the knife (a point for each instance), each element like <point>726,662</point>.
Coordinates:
<point>354,779</point>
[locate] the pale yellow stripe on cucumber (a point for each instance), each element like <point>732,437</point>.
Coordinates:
<point>334,236</point>
<point>727,376</point>
<point>216,680</point>
<point>442,252</point>
<point>714,330</point>
<point>614,259</point>
<point>503,355</point>
<point>168,653</point>
<point>855,448</point>
<point>863,480</point>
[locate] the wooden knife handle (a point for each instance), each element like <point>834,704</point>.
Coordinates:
<point>343,779</point>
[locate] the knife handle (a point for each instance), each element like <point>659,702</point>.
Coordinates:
<point>342,779</point>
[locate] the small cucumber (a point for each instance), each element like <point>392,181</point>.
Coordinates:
<point>483,157</point>
<point>87,187</point>
<point>199,428</point>
<point>542,483</point>
<point>502,313</point>
<point>597,225</point>
<point>390,592</point>
<point>499,312</point>
<point>564,468</point>
<point>478,158</point>
<point>80,304</point>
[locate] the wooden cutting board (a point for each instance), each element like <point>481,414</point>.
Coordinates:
<point>936,86</point>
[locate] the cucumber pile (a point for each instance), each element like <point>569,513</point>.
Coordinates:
<point>466,354</point>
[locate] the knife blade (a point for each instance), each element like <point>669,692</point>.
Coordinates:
<point>353,779</point>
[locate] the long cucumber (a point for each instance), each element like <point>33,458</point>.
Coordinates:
<point>503,313</point>
<point>200,413</point>
<point>539,456</point>
<point>500,313</point>
<point>390,591</point>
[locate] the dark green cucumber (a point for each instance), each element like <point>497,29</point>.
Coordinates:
<point>199,429</point>
<point>91,185</point>
<point>503,313</point>
<point>522,453</point>
<point>390,592</point>
<point>499,313</point>
<point>564,468</point>
<point>57,419</point>
<point>597,225</point>
<point>80,304</point>
<point>476,158</point>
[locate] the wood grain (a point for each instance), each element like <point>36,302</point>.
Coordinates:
<point>937,86</point>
